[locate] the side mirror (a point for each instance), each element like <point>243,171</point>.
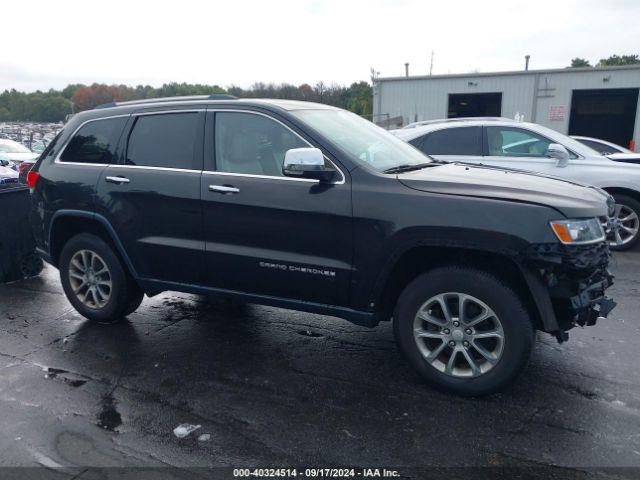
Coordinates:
<point>557,151</point>
<point>306,163</point>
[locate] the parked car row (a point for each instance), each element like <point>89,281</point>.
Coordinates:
<point>313,208</point>
<point>526,146</point>
<point>34,136</point>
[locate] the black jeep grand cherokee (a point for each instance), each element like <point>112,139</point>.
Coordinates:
<point>309,207</point>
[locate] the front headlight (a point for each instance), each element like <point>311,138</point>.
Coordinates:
<point>578,232</point>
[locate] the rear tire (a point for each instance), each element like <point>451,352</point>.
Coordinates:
<point>95,281</point>
<point>626,207</point>
<point>506,335</point>
<point>134,301</point>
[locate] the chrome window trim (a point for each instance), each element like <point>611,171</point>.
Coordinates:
<point>148,167</point>
<point>66,144</point>
<point>57,160</point>
<point>342,181</point>
<point>268,177</point>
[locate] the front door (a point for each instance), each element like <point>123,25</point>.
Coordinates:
<point>519,148</point>
<point>268,234</point>
<point>152,197</point>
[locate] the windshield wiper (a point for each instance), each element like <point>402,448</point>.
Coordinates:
<point>411,167</point>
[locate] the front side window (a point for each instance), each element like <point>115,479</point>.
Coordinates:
<point>95,142</point>
<point>453,141</point>
<point>516,142</point>
<point>164,140</point>
<point>252,144</point>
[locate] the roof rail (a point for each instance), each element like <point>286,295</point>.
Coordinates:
<point>457,119</point>
<point>213,96</point>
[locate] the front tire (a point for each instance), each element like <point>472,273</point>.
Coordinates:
<point>463,330</point>
<point>95,281</point>
<point>625,233</point>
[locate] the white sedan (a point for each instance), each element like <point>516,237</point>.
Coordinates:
<point>532,147</point>
<point>16,152</point>
<point>610,150</point>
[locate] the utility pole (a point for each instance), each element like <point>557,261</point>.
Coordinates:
<point>431,64</point>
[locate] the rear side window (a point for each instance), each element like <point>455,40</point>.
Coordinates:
<point>453,141</point>
<point>95,142</point>
<point>600,147</point>
<point>164,140</point>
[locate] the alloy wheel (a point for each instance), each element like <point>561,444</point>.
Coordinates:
<point>458,335</point>
<point>90,279</point>
<point>623,226</point>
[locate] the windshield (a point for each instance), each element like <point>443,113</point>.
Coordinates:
<point>13,147</point>
<point>365,142</point>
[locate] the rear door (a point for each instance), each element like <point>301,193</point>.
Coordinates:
<point>78,166</point>
<point>152,196</point>
<point>265,233</point>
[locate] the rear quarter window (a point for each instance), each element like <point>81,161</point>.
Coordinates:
<point>95,142</point>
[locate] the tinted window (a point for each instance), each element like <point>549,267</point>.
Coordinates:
<point>600,147</point>
<point>516,142</point>
<point>95,142</point>
<point>164,140</point>
<point>453,141</point>
<point>252,144</point>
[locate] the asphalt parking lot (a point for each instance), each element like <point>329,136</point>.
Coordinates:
<point>273,387</point>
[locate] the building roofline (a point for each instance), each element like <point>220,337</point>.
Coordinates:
<point>511,73</point>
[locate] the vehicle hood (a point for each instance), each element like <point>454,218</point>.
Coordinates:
<point>625,157</point>
<point>20,157</point>
<point>571,199</point>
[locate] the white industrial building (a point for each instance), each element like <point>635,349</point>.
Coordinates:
<point>596,102</point>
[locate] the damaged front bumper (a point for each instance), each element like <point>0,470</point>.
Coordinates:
<point>576,279</point>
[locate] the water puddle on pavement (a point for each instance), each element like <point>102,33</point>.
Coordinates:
<point>109,418</point>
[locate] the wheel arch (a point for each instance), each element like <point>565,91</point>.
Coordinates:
<point>635,194</point>
<point>420,259</point>
<point>67,223</point>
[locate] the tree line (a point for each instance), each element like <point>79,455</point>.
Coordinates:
<point>612,61</point>
<point>55,105</point>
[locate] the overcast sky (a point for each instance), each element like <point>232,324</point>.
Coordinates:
<point>48,44</point>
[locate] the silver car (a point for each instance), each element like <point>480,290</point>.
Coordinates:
<point>528,146</point>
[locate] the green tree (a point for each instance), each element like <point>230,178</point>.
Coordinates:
<point>615,60</point>
<point>360,98</point>
<point>580,62</point>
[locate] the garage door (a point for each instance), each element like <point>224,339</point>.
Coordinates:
<point>608,114</point>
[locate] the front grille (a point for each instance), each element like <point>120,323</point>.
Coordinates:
<point>572,257</point>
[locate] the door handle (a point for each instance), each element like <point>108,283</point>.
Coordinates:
<point>223,189</point>
<point>118,180</point>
